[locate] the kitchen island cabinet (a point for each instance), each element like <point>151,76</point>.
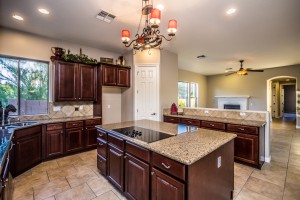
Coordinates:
<point>160,170</point>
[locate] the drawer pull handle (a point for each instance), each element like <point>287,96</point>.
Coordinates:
<point>211,124</point>
<point>74,124</point>
<point>166,166</point>
<point>100,144</point>
<point>125,157</point>
<point>241,129</point>
<point>152,173</point>
<point>172,119</point>
<point>100,134</point>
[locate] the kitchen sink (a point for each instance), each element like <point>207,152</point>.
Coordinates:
<point>11,127</point>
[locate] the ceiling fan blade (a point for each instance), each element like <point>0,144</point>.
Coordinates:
<point>230,73</point>
<point>255,70</point>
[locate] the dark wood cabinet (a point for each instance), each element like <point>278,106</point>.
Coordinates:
<point>220,126</point>
<point>102,165</point>
<point>174,120</point>
<point>114,75</point>
<point>27,149</point>
<point>190,122</point>
<point>136,176</point>
<point>115,171</point>
<point>74,82</point>
<point>55,143</point>
<point>74,139</point>
<point>123,77</point>
<point>90,136</point>
<point>166,187</point>
<point>246,148</point>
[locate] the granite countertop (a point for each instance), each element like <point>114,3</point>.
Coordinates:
<point>65,119</point>
<point>224,120</point>
<point>185,148</point>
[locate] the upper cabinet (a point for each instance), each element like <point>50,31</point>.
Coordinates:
<point>74,82</point>
<point>115,75</point>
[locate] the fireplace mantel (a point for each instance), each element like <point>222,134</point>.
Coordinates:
<point>242,100</point>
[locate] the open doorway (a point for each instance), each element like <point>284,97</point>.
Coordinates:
<point>282,98</point>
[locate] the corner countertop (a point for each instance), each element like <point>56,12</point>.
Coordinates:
<point>185,148</point>
<point>224,120</point>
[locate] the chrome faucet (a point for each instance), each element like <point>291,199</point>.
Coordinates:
<point>13,119</point>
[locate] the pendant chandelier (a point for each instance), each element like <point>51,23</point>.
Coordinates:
<point>150,36</point>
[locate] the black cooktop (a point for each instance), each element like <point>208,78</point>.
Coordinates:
<point>143,134</point>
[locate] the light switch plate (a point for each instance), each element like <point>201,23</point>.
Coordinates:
<point>56,108</point>
<point>242,114</point>
<point>206,111</point>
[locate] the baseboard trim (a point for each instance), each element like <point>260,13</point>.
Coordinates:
<point>268,159</point>
<point>297,127</point>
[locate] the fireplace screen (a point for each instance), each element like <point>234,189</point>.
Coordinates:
<point>232,106</point>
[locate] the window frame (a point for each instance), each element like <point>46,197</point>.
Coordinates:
<point>188,93</point>
<point>19,82</point>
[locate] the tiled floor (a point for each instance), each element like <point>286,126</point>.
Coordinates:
<point>76,177</point>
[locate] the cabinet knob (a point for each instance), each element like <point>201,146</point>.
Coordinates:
<point>125,157</point>
<point>152,173</point>
<point>212,125</point>
<point>166,166</point>
<point>61,131</point>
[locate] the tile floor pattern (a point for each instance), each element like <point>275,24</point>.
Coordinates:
<point>76,177</point>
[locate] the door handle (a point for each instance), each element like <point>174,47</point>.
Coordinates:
<point>153,114</point>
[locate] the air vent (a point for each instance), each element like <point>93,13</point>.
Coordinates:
<point>105,16</point>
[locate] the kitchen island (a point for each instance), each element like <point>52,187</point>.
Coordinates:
<point>188,164</point>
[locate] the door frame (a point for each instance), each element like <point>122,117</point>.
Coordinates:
<point>136,67</point>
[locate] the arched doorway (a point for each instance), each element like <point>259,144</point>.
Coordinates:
<point>282,98</point>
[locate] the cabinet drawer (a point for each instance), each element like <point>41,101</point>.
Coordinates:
<point>193,122</point>
<point>57,126</point>
<point>91,122</point>
<point>101,165</point>
<point>102,148</point>
<point>242,129</point>
<point>168,165</point>
<point>175,120</point>
<point>27,131</point>
<point>116,141</point>
<point>102,135</point>
<point>74,124</point>
<point>137,151</point>
<point>213,125</point>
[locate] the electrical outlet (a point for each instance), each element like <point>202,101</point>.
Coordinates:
<point>56,108</point>
<point>108,106</point>
<point>219,161</point>
<point>76,108</point>
<point>242,114</point>
<point>80,107</point>
<point>206,111</point>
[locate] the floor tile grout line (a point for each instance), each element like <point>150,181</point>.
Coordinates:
<point>244,184</point>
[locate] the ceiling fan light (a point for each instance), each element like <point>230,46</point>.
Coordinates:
<point>125,36</point>
<point>155,17</point>
<point>172,27</point>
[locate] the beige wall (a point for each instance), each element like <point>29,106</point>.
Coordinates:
<point>168,79</point>
<point>14,43</point>
<point>254,85</point>
<point>188,76</point>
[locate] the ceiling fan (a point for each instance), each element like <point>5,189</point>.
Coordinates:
<point>244,71</point>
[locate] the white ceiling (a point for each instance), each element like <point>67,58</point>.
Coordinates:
<point>266,33</point>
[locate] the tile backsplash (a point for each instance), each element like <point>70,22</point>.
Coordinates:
<point>66,109</point>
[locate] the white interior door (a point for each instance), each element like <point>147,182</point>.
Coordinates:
<point>147,98</point>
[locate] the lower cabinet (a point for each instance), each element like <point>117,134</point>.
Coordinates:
<point>74,139</point>
<point>102,165</point>
<point>246,148</point>
<point>136,176</point>
<point>165,187</point>
<point>55,143</point>
<point>27,149</point>
<point>115,172</point>
<point>90,137</point>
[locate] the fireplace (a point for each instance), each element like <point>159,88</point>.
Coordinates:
<point>241,101</point>
<point>232,106</point>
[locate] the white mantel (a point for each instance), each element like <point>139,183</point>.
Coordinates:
<point>242,100</point>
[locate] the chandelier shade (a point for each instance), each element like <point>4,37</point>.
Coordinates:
<point>150,36</point>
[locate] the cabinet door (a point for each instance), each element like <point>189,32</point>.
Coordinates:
<point>165,187</point>
<point>86,82</point>
<point>102,165</point>
<point>136,176</point>
<point>115,171</point>
<point>55,143</point>
<point>74,140</point>
<point>90,136</point>
<point>246,148</point>
<point>27,152</point>
<point>123,77</point>
<point>109,75</point>
<point>65,81</point>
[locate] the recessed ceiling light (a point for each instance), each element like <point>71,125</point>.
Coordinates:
<point>160,7</point>
<point>231,11</point>
<point>44,11</point>
<point>18,17</point>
